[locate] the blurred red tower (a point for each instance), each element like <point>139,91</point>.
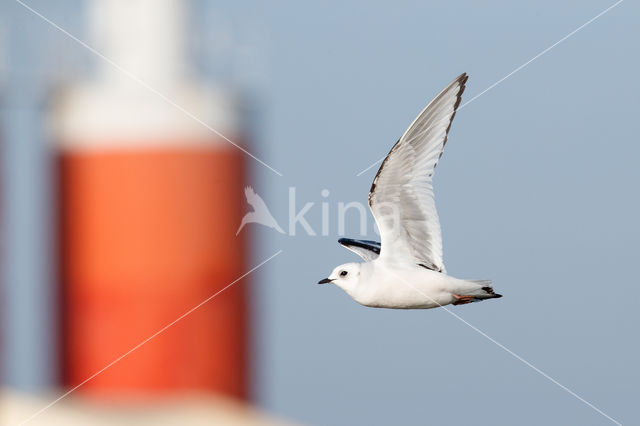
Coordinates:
<point>150,203</point>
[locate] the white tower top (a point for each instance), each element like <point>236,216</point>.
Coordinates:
<point>145,37</point>
<point>142,95</point>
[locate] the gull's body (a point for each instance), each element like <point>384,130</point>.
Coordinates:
<point>406,270</point>
<point>409,286</point>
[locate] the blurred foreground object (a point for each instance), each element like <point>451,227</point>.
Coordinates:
<point>150,202</point>
<point>192,409</point>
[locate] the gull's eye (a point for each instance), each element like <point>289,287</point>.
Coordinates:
<point>343,273</point>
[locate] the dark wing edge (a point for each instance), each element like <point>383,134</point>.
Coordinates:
<point>462,80</point>
<point>366,249</point>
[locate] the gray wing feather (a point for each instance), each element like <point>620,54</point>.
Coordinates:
<point>401,196</point>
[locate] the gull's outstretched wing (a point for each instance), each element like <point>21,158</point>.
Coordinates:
<point>401,196</point>
<point>366,249</point>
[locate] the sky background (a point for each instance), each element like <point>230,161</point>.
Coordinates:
<point>537,190</point>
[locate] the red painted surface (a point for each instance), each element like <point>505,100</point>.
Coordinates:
<point>146,236</point>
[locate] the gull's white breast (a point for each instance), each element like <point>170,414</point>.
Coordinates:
<point>404,287</point>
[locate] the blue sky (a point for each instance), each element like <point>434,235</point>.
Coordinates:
<point>537,190</point>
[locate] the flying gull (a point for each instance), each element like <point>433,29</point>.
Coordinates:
<point>405,270</point>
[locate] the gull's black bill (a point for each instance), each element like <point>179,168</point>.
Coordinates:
<point>325,281</point>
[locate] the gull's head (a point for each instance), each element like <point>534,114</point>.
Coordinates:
<point>344,276</point>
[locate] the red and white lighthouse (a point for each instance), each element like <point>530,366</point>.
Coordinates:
<point>150,203</point>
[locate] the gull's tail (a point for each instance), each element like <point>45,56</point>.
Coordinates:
<point>476,291</point>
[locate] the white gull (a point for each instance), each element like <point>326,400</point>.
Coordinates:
<point>405,270</point>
